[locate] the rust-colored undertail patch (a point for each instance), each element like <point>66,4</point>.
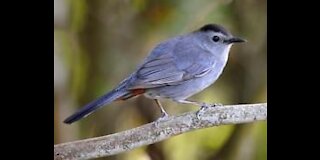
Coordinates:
<point>131,94</point>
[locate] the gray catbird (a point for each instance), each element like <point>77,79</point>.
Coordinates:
<point>175,69</point>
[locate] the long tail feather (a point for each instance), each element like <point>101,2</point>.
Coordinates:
<point>91,107</point>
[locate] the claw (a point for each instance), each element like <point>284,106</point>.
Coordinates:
<point>202,109</point>
<point>216,104</point>
<point>205,106</point>
<point>164,116</point>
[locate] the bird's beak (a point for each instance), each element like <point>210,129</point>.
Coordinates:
<point>235,40</point>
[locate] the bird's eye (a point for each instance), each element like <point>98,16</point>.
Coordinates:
<point>215,38</point>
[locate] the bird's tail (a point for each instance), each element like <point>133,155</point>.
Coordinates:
<point>91,107</point>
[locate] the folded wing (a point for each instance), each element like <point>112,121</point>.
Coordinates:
<point>167,67</point>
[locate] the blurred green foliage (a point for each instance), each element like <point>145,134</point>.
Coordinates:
<point>97,43</point>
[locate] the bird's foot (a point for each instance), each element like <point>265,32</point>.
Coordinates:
<point>216,104</point>
<point>205,106</point>
<point>164,116</point>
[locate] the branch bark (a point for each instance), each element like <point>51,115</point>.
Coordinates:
<point>157,131</point>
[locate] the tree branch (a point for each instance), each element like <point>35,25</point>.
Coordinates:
<point>158,131</point>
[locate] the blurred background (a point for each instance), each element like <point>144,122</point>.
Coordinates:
<point>97,43</point>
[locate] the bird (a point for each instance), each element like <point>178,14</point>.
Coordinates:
<point>175,69</point>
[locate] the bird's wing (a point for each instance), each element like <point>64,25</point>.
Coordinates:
<point>172,67</point>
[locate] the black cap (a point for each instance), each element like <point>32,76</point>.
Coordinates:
<point>215,28</point>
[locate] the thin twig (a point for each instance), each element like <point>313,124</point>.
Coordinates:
<point>158,131</point>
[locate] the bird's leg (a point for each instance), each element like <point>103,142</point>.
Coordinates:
<point>203,105</point>
<point>164,114</point>
<point>200,104</point>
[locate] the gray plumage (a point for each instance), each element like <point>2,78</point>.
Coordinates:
<point>180,67</point>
